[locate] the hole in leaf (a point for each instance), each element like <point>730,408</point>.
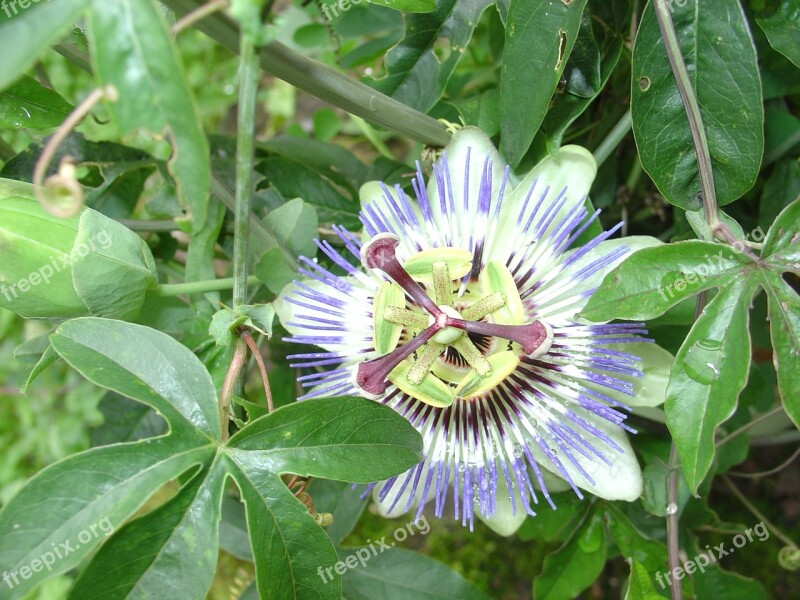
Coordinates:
<point>562,46</point>
<point>442,49</point>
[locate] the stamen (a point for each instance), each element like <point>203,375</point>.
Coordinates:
<point>371,375</point>
<point>474,357</point>
<point>405,317</point>
<point>484,306</point>
<point>442,283</point>
<point>379,253</point>
<point>424,362</point>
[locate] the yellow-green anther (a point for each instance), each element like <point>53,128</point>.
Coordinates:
<point>442,283</point>
<point>431,390</point>
<point>473,385</point>
<point>497,278</point>
<point>386,334</point>
<point>485,306</point>
<point>425,359</point>
<point>473,356</point>
<point>405,317</point>
<point>420,265</point>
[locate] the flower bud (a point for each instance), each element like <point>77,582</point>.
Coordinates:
<point>61,268</point>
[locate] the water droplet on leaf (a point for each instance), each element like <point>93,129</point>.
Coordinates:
<point>703,360</point>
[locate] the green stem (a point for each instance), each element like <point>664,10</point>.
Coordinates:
<point>324,82</point>
<point>746,426</point>
<point>229,385</point>
<point>613,139</point>
<point>200,287</point>
<point>757,513</point>
<point>673,549</point>
<point>148,225</point>
<point>245,152</point>
<point>692,107</point>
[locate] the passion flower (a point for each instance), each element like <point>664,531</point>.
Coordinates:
<point>463,318</point>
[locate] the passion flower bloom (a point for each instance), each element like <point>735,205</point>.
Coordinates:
<point>462,317</point>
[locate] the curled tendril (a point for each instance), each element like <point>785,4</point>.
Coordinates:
<point>61,194</point>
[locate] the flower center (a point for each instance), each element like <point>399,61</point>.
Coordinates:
<point>418,367</point>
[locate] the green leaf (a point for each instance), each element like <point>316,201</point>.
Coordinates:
<point>328,160</point>
<point>27,104</point>
<point>715,583</point>
<point>783,30</point>
<point>540,35</point>
<point>555,525</point>
<point>45,358</point>
<point>343,501</point>
<point>290,549</point>
<point>587,71</point>
<point>652,280</point>
<point>419,67</point>
<point>781,189</point>
<point>782,245</point>
<point>132,50</point>
<point>784,316</point>
<point>80,500</point>
<point>294,179</point>
<point>225,322</point>
<point>125,420</point>
<point>306,439</point>
<point>481,111</point>
<point>143,364</point>
<point>274,270</point>
<point>170,552</point>
<point>399,574</point>
<point>633,544</point>
<point>710,372</point>
<point>27,32</point>
<point>295,225</point>
<point>115,174</point>
<point>712,36</point>
<point>654,499</point>
<point>104,253</point>
<point>410,6</point>
<point>639,585</point>
<point>574,566</point>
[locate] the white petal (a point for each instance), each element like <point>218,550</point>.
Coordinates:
<point>573,168</point>
<point>622,480</point>
<point>565,294</point>
<point>384,507</point>
<point>355,316</point>
<point>651,388</point>
<point>505,521</point>
<point>468,149</point>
